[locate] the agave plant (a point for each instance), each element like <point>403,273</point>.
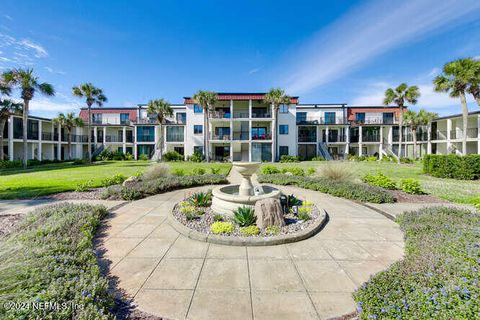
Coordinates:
<point>293,201</point>
<point>244,216</point>
<point>201,199</point>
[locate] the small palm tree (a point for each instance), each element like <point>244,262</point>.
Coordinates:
<point>276,97</point>
<point>162,109</point>
<point>28,84</point>
<point>92,95</point>
<point>206,99</point>
<point>7,108</point>
<point>455,79</point>
<point>68,121</point>
<point>415,120</point>
<point>401,95</point>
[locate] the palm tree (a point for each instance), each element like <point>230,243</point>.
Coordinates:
<point>474,81</point>
<point>415,120</point>
<point>68,121</point>
<point>162,109</point>
<point>206,99</point>
<point>455,80</point>
<point>28,84</point>
<point>400,95</point>
<point>7,108</point>
<point>92,95</point>
<point>276,97</point>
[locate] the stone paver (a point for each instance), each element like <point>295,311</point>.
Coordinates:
<point>175,277</point>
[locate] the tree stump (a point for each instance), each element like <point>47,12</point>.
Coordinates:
<point>269,213</point>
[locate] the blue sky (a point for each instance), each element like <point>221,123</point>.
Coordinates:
<point>323,51</point>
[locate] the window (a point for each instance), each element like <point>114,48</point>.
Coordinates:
<point>283,150</point>
<point>97,118</point>
<point>197,129</point>
<point>123,118</point>
<point>181,117</point>
<point>329,117</point>
<point>198,149</point>
<point>388,117</point>
<point>175,134</point>
<point>283,129</point>
<point>259,133</point>
<point>283,108</point>
<point>360,117</point>
<point>197,108</point>
<point>301,117</point>
<point>144,134</point>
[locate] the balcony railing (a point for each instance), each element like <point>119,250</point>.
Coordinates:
<point>79,138</point>
<point>47,136</point>
<point>145,138</point>
<point>224,137</point>
<point>266,136</point>
<point>321,120</point>
<point>261,114</point>
<point>458,134</point>
<point>220,115</point>
<point>111,122</point>
<point>376,120</point>
<point>371,138</point>
<point>243,135</point>
<point>146,121</point>
<point>307,138</point>
<point>113,139</point>
<point>337,138</point>
<point>439,135</point>
<point>240,115</point>
<point>175,138</point>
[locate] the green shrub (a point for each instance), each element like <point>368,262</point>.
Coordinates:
<point>218,217</point>
<point>250,231</point>
<point>144,188</point>
<point>438,277</point>
<point>115,179</point>
<point>336,172</point>
<point>389,158</point>
<point>318,158</point>
<point>190,212</point>
<point>269,169</point>
<point>304,213</point>
<point>294,170</point>
<point>371,158</point>
<point>380,180</point>
<point>143,157</point>
<point>172,156</point>
<point>272,230</point>
<point>293,201</point>
<point>287,158</point>
<point>178,172</point>
<point>406,160</point>
<point>195,157</point>
<point>311,171</point>
<point>214,170</point>
<point>78,162</point>
<point>244,216</point>
<point>452,166</point>
<point>129,156</point>
<point>51,259</point>
<point>201,199</point>
<point>343,189</point>
<point>220,227</point>
<point>84,186</point>
<point>198,171</point>
<point>411,186</point>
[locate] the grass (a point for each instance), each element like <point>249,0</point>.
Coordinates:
<point>47,179</point>
<point>459,191</point>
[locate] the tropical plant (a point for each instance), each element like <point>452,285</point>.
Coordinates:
<point>68,121</point>
<point>401,95</point>
<point>206,99</point>
<point>456,79</point>
<point>293,201</point>
<point>304,213</point>
<point>222,227</point>
<point>201,199</point>
<point>162,109</point>
<point>244,216</point>
<point>276,97</point>
<point>7,108</point>
<point>474,85</point>
<point>92,95</point>
<point>415,120</point>
<point>29,84</point>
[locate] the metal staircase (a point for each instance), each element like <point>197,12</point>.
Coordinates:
<point>97,151</point>
<point>324,151</point>
<point>387,149</point>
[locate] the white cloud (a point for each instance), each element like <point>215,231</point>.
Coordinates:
<point>367,32</point>
<point>15,52</point>
<point>6,16</point>
<point>50,106</point>
<point>51,70</point>
<point>252,71</point>
<point>40,51</point>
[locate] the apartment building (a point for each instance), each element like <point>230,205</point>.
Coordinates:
<point>241,128</point>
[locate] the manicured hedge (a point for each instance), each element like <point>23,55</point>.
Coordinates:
<point>51,260</point>
<point>439,278</point>
<point>452,166</point>
<point>144,188</point>
<point>344,189</point>
<point>6,164</point>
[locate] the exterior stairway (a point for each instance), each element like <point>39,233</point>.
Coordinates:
<point>97,151</point>
<point>387,149</point>
<point>324,151</point>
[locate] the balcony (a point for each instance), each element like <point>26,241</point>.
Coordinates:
<point>371,138</point>
<point>241,115</point>
<point>439,135</point>
<point>220,137</point>
<point>375,120</point>
<point>113,139</point>
<point>240,135</point>
<point>265,136</point>
<point>337,138</point>
<point>472,133</point>
<point>307,138</point>
<point>47,136</point>
<point>145,138</point>
<point>261,114</point>
<point>146,121</point>
<point>175,138</point>
<point>220,115</point>
<point>321,120</point>
<point>111,122</point>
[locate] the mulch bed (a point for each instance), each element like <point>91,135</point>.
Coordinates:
<point>403,197</point>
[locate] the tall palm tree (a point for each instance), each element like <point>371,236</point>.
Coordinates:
<point>276,97</point>
<point>401,95</point>
<point>29,84</point>
<point>163,110</point>
<point>415,120</point>
<point>68,121</point>
<point>455,80</point>
<point>206,99</point>
<point>7,108</point>
<point>92,95</point>
<point>474,81</point>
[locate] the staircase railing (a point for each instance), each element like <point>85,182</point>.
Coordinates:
<point>324,151</point>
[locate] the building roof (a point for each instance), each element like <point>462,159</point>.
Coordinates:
<point>457,115</point>
<point>239,96</point>
<point>132,112</point>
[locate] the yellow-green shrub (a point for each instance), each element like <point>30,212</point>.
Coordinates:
<point>220,227</point>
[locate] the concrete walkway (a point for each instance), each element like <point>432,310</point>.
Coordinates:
<point>178,278</point>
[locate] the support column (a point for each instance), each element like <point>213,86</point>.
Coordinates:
<point>135,143</point>
<point>59,143</point>
<point>429,138</point>
<point>326,134</point>
<point>346,131</point>
<point>250,151</point>
<point>53,139</point>
<point>124,140</point>
<point>380,147</point>
<point>250,108</point>
<point>94,137</point>
<point>10,138</point>
<point>104,135</point>
<point>449,128</point>
<point>478,134</point>
<point>360,140</point>
<point>40,140</point>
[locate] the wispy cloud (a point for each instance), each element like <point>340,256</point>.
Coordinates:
<point>51,70</point>
<point>23,52</point>
<point>6,16</point>
<point>367,32</point>
<point>254,70</point>
<point>40,51</point>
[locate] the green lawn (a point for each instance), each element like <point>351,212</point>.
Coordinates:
<point>60,177</point>
<point>460,191</point>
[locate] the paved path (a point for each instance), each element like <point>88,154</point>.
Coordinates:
<point>172,276</point>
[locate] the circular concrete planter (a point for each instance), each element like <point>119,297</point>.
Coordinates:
<point>313,229</point>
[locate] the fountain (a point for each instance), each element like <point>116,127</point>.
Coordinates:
<point>227,199</point>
